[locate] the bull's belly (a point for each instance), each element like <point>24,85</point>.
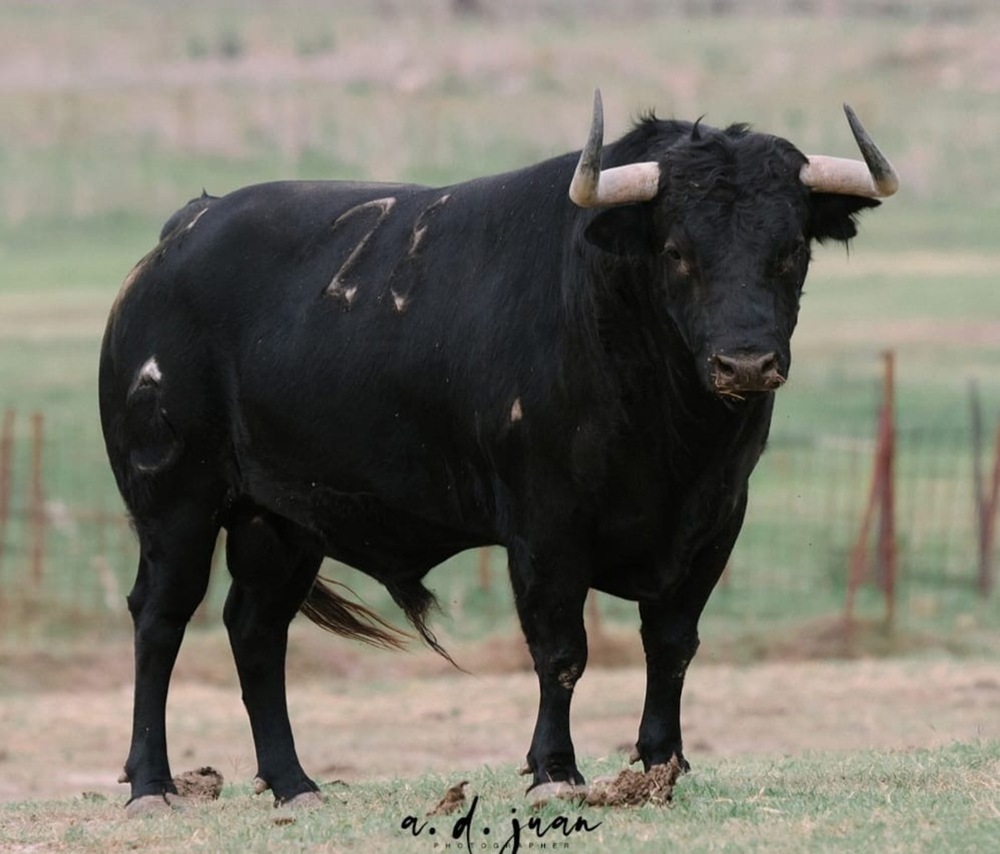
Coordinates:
<point>362,530</point>
<point>632,574</point>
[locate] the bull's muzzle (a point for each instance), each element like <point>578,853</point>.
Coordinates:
<point>735,375</point>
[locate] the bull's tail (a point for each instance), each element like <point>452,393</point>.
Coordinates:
<point>331,611</point>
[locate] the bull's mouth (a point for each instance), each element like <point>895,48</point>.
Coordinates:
<point>737,398</point>
<point>723,389</point>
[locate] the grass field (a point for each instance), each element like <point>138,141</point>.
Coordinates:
<point>836,756</point>
<point>941,800</point>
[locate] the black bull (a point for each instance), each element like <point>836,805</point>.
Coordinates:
<point>390,374</point>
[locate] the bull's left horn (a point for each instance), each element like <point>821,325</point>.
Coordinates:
<point>593,187</point>
<point>875,178</point>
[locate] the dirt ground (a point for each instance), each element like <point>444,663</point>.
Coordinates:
<point>371,716</point>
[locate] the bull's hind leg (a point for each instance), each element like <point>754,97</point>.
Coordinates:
<point>272,574</point>
<point>550,596</point>
<point>174,564</point>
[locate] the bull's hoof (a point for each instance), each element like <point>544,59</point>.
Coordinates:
<point>154,805</point>
<point>302,801</point>
<point>545,793</point>
<point>677,757</point>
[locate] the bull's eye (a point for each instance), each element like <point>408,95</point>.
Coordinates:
<point>672,252</point>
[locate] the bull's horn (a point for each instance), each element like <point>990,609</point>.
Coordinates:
<point>593,188</point>
<point>874,178</point>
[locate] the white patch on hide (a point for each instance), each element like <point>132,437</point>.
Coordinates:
<point>195,219</point>
<point>420,228</point>
<point>150,373</point>
<point>383,207</point>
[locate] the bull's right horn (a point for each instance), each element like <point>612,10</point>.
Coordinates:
<point>875,178</point>
<point>593,187</point>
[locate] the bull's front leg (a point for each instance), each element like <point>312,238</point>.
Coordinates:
<point>550,596</point>
<point>670,641</point>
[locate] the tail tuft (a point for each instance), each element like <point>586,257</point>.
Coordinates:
<point>330,611</point>
<point>417,602</point>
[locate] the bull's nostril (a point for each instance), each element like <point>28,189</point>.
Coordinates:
<point>725,367</point>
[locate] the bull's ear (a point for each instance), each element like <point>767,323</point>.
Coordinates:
<point>620,231</point>
<point>835,217</point>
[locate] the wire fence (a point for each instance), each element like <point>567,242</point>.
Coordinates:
<point>68,555</point>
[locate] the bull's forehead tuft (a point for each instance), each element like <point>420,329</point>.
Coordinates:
<point>723,163</point>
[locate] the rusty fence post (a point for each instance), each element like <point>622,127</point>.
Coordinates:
<point>36,503</point>
<point>987,521</point>
<point>887,551</point>
<point>6,454</point>
<point>881,506</point>
<point>984,495</point>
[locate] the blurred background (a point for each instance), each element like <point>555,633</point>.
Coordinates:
<point>113,113</point>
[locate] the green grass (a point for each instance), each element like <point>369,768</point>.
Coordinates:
<point>944,800</point>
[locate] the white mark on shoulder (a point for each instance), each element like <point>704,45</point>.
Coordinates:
<point>338,291</point>
<point>415,238</point>
<point>516,413</point>
<point>421,225</point>
<point>399,301</point>
<point>383,208</point>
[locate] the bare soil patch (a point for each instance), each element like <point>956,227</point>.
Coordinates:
<point>368,719</point>
<point>201,784</point>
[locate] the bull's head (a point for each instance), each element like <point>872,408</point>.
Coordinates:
<point>727,219</point>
